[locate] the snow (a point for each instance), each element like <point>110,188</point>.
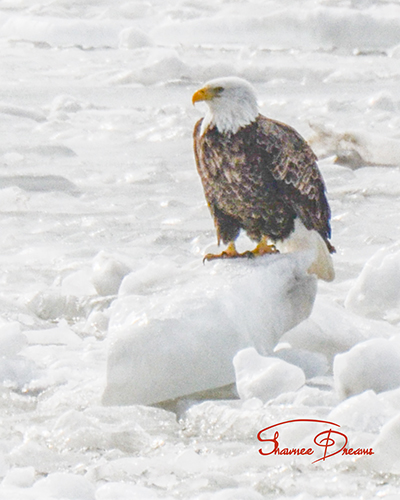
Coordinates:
<point>103,226</point>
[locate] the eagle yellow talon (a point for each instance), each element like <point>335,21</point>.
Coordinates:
<point>263,248</point>
<point>231,253</point>
<point>227,255</point>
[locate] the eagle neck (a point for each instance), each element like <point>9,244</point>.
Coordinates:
<point>229,120</point>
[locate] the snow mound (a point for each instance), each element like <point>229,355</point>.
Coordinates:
<point>374,364</point>
<point>376,292</point>
<point>265,377</point>
<point>183,340</point>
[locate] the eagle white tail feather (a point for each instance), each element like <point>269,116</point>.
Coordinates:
<point>303,239</point>
<point>323,263</point>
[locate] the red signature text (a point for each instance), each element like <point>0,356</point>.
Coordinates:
<point>329,442</point>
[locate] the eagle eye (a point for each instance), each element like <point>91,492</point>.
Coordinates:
<point>219,90</point>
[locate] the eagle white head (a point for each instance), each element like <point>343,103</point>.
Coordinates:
<point>231,101</point>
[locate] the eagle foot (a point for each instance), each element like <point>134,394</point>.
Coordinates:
<point>229,255</point>
<point>264,249</point>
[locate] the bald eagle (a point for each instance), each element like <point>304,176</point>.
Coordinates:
<point>260,176</point>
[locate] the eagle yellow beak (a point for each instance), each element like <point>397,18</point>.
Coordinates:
<point>204,94</point>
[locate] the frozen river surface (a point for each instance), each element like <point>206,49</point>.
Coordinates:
<point>102,218</point>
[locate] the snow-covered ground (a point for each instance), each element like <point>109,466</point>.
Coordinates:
<point>98,187</point>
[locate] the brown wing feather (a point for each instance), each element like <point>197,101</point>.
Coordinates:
<point>294,165</point>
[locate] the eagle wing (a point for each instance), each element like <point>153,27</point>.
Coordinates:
<point>293,165</point>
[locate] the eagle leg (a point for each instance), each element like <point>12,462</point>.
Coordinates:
<point>264,247</point>
<point>229,253</point>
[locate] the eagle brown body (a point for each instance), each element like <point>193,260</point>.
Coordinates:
<point>260,176</point>
<point>260,179</point>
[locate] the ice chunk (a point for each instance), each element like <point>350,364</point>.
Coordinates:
<point>4,465</point>
<point>96,324</point>
<point>374,364</point>
<point>63,32</point>
<point>265,377</point>
<point>281,28</point>
<point>149,278</point>
<point>52,305</point>
<point>12,340</point>
<point>43,183</point>
<point>108,273</point>
<point>23,477</point>
<point>63,485</point>
<point>125,491</point>
<point>60,335</point>
<point>183,340</point>
<point>164,64</point>
<point>102,430</point>
<point>134,38</point>
<point>17,371</point>
<point>364,412</point>
<point>232,494</point>
<point>332,329</point>
<point>355,148</point>
<point>78,284</point>
<point>190,462</point>
<point>13,198</point>
<point>313,364</point>
<point>386,447</point>
<point>64,104</point>
<point>384,101</point>
<point>22,112</point>
<point>376,292</point>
